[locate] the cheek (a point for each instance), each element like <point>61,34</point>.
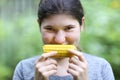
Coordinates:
<point>47,37</point>
<point>73,37</point>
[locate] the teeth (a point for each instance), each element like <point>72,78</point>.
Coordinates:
<point>62,50</point>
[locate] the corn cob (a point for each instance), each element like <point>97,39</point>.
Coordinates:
<point>62,50</point>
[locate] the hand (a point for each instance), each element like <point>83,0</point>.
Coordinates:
<point>78,66</point>
<point>45,66</point>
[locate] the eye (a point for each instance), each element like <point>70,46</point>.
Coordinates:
<point>49,28</point>
<point>69,28</point>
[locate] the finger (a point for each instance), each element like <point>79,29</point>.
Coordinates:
<point>74,60</point>
<point>51,61</point>
<point>78,54</point>
<point>73,66</point>
<point>48,73</point>
<point>77,68</point>
<point>73,72</point>
<point>47,68</point>
<point>44,56</point>
<point>46,63</point>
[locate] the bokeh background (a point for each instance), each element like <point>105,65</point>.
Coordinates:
<point>20,37</point>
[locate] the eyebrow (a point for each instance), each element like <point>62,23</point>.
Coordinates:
<point>70,25</point>
<point>47,26</point>
<point>63,26</point>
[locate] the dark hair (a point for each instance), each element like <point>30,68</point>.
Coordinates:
<point>51,7</point>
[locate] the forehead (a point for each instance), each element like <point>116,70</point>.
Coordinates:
<point>60,19</point>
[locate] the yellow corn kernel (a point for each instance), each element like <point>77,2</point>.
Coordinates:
<point>62,50</point>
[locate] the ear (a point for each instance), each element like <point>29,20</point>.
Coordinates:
<point>39,24</point>
<point>82,25</point>
<point>38,20</point>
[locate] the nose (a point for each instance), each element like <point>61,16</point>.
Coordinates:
<point>59,37</point>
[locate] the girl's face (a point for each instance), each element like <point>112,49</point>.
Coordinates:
<point>60,29</point>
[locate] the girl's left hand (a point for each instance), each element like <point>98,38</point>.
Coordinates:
<point>78,66</point>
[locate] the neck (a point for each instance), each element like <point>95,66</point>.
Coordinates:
<point>62,61</point>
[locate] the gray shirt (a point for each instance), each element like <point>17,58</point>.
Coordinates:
<point>98,69</point>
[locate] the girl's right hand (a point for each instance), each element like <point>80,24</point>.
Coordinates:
<point>45,66</point>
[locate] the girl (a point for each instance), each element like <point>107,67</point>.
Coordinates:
<point>61,22</point>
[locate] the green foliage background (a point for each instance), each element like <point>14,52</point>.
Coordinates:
<point>20,37</point>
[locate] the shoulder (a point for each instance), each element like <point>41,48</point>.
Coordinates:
<point>98,66</point>
<point>96,63</point>
<point>29,60</point>
<point>25,69</point>
<point>95,59</point>
<point>27,63</point>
